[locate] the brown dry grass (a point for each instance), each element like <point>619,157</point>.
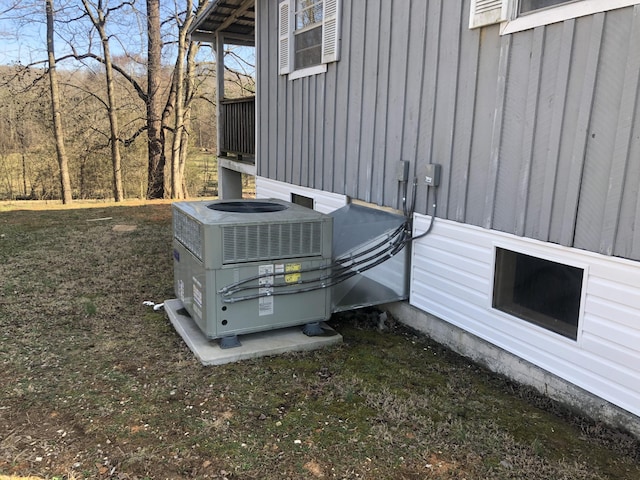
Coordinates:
<point>93,384</point>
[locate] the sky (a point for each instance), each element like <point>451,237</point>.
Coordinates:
<point>24,40</point>
<point>21,43</point>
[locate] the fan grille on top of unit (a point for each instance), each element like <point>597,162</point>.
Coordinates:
<point>270,241</point>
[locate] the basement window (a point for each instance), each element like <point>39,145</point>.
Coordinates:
<point>302,200</point>
<point>539,291</point>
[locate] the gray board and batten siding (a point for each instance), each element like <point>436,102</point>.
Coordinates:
<point>538,132</point>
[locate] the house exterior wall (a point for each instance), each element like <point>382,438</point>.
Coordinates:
<point>451,278</point>
<point>324,202</point>
<point>537,131</point>
<point>538,134</point>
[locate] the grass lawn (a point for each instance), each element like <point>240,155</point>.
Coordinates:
<point>93,384</point>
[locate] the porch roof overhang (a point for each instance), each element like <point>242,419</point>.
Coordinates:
<point>234,19</point>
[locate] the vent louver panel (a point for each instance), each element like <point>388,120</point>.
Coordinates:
<point>187,231</point>
<point>270,241</point>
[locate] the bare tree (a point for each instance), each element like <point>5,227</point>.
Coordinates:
<point>98,16</point>
<point>183,85</point>
<point>171,97</point>
<point>9,7</point>
<point>63,162</point>
<point>155,134</point>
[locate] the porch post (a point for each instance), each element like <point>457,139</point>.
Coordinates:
<point>219,88</point>
<point>229,181</point>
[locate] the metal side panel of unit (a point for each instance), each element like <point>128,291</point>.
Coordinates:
<point>269,312</point>
<point>189,281</point>
<point>357,229</point>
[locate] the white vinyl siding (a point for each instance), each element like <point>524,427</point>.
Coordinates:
<point>451,278</point>
<point>324,202</point>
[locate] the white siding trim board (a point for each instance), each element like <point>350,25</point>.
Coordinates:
<point>452,277</point>
<point>325,202</point>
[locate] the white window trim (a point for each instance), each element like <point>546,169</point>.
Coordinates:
<point>561,13</point>
<point>307,72</point>
<point>505,12</point>
<point>543,253</point>
<point>330,39</point>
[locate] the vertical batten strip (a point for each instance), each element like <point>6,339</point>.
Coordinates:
<point>622,142</point>
<point>572,198</point>
<point>557,120</point>
<point>466,108</point>
<point>496,136</point>
<point>530,115</point>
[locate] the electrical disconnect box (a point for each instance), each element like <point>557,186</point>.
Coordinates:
<point>432,174</point>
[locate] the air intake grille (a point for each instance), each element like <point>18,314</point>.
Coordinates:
<point>187,231</point>
<point>271,241</point>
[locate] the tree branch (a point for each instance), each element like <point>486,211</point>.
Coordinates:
<point>141,93</point>
<point>128,141</point>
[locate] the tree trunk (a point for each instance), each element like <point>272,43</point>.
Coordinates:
<point>183,86</point>
<point>189,95</point>
<point>155,181</point>
<point>58,133</point>
<point>99,23</point>
<point>24,174</point>
<point>177,172</point>
<point>116,161</point>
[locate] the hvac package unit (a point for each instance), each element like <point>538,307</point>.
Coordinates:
<point>246,266</point>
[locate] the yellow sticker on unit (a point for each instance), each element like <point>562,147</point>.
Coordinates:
<point>291,277</point>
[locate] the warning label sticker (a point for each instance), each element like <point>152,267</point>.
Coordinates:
<point>292,272</point>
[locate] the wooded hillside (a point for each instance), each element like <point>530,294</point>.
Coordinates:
<point>123,104</point>
<point>28,167</point>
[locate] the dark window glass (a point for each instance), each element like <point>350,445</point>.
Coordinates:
<point>531,5</point>
<point>308,48</point>
<point>540,291</point>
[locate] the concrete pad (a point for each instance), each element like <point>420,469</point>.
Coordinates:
<point>254,345</point>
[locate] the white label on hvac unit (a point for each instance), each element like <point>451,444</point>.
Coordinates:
<point>197,294</point>
<point>180,291</point>
<point>265,301</point>
<point>279,270</point>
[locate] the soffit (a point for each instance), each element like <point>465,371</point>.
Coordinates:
<point>235,19</point>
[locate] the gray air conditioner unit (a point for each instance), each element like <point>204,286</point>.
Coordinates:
<point>245,266</point>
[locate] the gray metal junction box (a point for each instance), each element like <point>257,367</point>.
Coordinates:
<point>249,247</point>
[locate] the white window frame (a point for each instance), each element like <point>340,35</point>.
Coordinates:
<point>534,249</point>
<point>505,12</point>
<point>286,39</point>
